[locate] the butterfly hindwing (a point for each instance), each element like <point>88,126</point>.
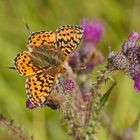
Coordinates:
<point>38,88</point>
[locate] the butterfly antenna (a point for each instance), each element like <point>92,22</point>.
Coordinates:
<point>109,48</point>
<point>28,28</point>
<point>12,68</point>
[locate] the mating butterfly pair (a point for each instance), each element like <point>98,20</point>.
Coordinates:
<point>41,64</point>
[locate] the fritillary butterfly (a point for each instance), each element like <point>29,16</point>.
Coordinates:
<point>41,64</point>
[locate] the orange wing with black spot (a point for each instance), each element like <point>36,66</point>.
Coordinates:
<point>43,38</point>
<point>38,88</point>
<point>24,65</point>
<point>68,38</point>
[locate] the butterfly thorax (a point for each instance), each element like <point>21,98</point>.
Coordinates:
<point>40,59</point>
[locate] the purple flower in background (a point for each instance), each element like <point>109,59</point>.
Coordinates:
<point>86,48</point>
<point>137,82</point>
<point>74,59</point>
<point>69,84</point>
<point>85,94</point>
<point>95,59</point>
<point>93,30</point>
<point>30,105</point>
<point>89,55</point>
<point>90,66</point>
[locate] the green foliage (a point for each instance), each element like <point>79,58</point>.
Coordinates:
<point>105,97</point>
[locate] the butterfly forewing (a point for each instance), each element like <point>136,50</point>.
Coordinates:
<point>68,38</point>
<point>24,65</point>
<point>43,38</point>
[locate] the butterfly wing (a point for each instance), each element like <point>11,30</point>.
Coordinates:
<point>43,38</point>
<point>68,38</point>
<point>38,88</point>
<point>23,64</point>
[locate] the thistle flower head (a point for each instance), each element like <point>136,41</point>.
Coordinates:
<point>93,30</point>
<point>130,42</point>
<point>129,59</point>
<point>69,85</point>
<point>88,56</point>
<point>117,61</point>
<point>92,34</point>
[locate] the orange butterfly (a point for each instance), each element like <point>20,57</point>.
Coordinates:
<point>41,64</point>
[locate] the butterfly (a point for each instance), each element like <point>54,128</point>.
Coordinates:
<point>42,62</point>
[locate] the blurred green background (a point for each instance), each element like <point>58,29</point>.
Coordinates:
<point>120,18</point>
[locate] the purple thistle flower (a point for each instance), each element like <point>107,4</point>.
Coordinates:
<point>93,30</point>
<point>117,61</point>
<point>134,65</point>
<point>137,82</point>
<point>129,59</point>
<point>130,42</point>
<point>86,49</point>
<point>89,56</point>
<point>133,69</point>
<point>30,105</point>
<point>69,85</point>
